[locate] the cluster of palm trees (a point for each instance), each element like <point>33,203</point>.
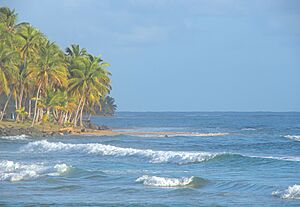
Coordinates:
<point>44,83</point>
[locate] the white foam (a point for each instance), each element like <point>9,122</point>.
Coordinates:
<point>287,158</point>
<point>17,137</point>
<point>248,129</point>
<point>293,192</point>
<point>61,169</point>
<point>293,137</point>
<point>165,182</point>
<point>16,171</point>
<point>179,157</point>
<point>150,135</point>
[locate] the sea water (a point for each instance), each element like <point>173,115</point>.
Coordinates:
<point>255,163</point>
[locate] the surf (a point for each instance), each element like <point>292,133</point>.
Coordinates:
<point>17,171</point>
<point>293,137</point>
<point>16,137</point>
<point>178,157</point>
<point>155,181</point>
<point>292,192</point>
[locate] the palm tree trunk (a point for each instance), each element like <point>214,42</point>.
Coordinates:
<point>77,111</point>
<point>70,117</point>
<point>35,104</point>
<point>61,119</point>
<point>29,108</point>
<point>41,114</point>
<point>81,114</point>
<point>5,106</point>
<point>55,114</point>
<point>16,103</point>
<point>20,101</point>
<point>66,117</point>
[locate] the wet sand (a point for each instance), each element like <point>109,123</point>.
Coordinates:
<point>133,133</point>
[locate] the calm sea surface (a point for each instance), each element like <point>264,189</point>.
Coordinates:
<point>256,164</point>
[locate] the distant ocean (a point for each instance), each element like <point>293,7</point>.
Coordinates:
<point>257,163</point>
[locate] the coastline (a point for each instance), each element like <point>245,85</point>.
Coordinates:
<point>8,128</point>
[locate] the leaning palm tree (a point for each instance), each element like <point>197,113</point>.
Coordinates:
<point>51,71</point>
<point>90,81</point>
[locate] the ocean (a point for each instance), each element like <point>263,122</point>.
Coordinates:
<point>255,163</point>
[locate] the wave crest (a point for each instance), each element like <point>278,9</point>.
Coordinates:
<point>16,171</point>
<point>17,137</point>
<point>293,137</point>
<point>178,157</point>
<point>171,182</point>
<point>293,192</point>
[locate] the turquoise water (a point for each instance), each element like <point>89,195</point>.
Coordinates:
<point>256,164</point>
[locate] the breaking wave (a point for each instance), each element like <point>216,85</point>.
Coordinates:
<point>193,182</point>
<point>16,171</point>
<point>293,137</point>
<point>179,157</point>
<point>293,192</point>
<point>17,137</point>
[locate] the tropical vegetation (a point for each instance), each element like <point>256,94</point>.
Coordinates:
<point>45,84</point>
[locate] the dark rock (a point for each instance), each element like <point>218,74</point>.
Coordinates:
<point>103,127</point>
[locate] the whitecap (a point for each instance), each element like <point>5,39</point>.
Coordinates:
<point>293,192</point>
<point>17,171</point>
<point>61,169</point>
<point>16,137</point>
<point>179,157</point>
<point>248,129</point>
<point>171,182</point>
<point>293,137</point>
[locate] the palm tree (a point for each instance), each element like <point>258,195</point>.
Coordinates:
<point>8,25</point>
<point>74,51</point>
<point>22,113</point>
<point>7,53</point>
<point>63,105</point>
<point>51,71</point>
<point>90,81</point>
<point>108,105</point>
<point>28,42</point>
<point>33,68</point>
<point>7,67</point>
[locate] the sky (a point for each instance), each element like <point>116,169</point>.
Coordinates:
<point>184,55</point>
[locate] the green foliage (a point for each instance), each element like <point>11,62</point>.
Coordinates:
<point>62,86</point>
<point>22,113</point>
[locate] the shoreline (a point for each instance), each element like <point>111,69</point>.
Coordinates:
<point>8,128</point>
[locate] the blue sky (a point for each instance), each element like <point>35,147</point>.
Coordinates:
<point>184,55</point>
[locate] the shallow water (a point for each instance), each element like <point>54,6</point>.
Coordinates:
<point>256,164</point>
